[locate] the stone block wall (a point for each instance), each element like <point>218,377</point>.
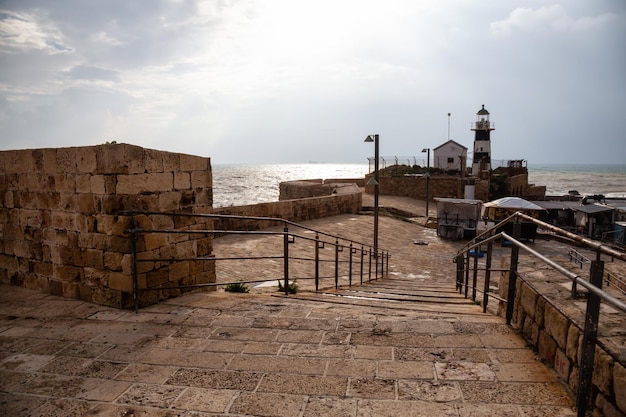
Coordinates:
<point>292,190</point>
<point>62,231</point>
<point>415,186</point>
<point>558,340</point>
<point>350,200</point>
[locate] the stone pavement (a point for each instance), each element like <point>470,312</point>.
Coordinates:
<point>407,345</point>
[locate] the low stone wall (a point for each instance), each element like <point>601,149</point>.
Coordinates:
<point>415,186</point>
<point>349,201</point>
<point>61,231</point>
<point>558,341</point>
<point>292,190</point>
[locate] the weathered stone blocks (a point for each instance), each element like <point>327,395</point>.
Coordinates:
<point>63,230</point>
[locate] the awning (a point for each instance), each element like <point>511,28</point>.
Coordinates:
<point>513,203</point>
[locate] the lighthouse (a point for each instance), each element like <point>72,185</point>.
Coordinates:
<point>482,143</point>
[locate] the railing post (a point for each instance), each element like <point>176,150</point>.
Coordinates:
<point>467,268</point>
<point>510,301</point>
<point>317,262</point>
<point>475,273</point>
<point>487,276</point>
<point>133,252</point>
<point>361,270</point>
<point>369,272</point>
<point>286,258</point>
<point>387,271</point>
<point>336,263</point>
<point>589,339</point>
<point>459,273</point>
<point>376,271</point>
<point>350,265</point>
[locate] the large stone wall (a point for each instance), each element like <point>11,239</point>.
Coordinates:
<point>62,232</point>
<point>558,341</point>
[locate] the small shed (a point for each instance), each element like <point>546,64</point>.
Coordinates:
<point>450,156</point>
<point>594,219</point>
<point>457,218</point>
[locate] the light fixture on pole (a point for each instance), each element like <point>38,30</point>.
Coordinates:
<point>427,150</point>
<point>375,182</point>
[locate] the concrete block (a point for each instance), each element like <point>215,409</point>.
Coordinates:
<point>157,278</point>
<point>113,261</point>
<point>108,297</point>
<point>86,204</point>
<point>65,183</point>
<point>86,159</point>
<point>68,202</point>
<point>194,163</point>
<point>92,258</point>
<point>540,311</point>
<point>178,270</point>
<point>67,273</point>
<point>574,340</point>
<point>71,289</point>
<point>121,282</point>
<point>169,201</point>
<point>562,365</point>
<point>547,347</point>
<point>171,162</point>
<point>97,184</point>
<point>619,382</point>
<point>182,180</point>
<point>66,161</point>
<point>155,241</point>
<point>556,325</point>
<point>83,183</point>
<point>603,372</point>
<point>50,161</point>
<point>145,183</point>
<point>153,160</point>
<point>201,179</point>
<point>119,159</point>
<point>186,249</point>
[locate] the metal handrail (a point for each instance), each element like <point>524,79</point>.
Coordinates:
<point>593,286</point>
<point>379,260</point>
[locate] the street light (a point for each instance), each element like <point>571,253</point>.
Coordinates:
<point>427,150</point>
<point>374,138</point>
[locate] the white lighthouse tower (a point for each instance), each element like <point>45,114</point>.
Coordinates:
<point>482,143</point>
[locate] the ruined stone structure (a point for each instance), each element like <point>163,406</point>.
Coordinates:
<point>62,230</point>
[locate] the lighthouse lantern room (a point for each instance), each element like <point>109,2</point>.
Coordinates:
<point>482,143</point>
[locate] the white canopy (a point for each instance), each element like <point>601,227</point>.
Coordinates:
<point>513,203</point>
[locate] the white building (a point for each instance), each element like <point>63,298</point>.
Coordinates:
<point>450,156</point>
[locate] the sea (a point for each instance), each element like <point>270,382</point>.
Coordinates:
<point>242,184</point>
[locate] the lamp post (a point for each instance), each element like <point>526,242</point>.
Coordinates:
<point>374,138</point>
<point>427,150</point>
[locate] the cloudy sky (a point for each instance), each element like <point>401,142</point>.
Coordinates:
<point>288,81</point>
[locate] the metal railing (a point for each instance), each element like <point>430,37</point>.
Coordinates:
<point>594,286</point>
<point>349,259</point>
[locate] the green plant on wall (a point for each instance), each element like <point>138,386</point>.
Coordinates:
<point>292,289</point>
<point>237,287</point>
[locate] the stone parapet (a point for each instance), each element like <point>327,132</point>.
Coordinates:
<point>62,229</point>
<point>558,340</point>
<point>297,210</point>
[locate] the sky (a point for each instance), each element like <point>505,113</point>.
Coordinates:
<point>293,81</point>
